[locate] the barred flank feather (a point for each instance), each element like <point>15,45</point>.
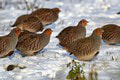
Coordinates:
<point>111,34</point>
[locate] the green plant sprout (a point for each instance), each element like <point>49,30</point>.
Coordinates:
<point>76,72</point>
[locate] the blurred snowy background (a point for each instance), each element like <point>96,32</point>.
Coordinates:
<point>51,64</point>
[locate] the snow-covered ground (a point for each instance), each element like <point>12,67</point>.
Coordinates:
<point>51,64</point>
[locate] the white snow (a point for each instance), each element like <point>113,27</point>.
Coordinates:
<point>50,64</point>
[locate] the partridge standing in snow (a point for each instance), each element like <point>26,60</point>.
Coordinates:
<point>8,42</point>
<point>46,16</point>
<point>20,19</point>
<point>29,44</point>
<point>72,33</point>
<point>31,24</point>
<point>87,48</point>
<point>111,34</point>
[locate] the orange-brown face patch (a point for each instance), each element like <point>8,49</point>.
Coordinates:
<point>48,31</point>
<point>84,22</point>
<point>18,31</point>
<point>99,31</point>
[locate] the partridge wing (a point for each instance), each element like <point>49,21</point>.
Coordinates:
<point>82,47</point>
<point>3,44</point>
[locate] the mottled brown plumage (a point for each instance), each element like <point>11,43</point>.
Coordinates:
<point>31,24</point>
<point>31,43</point>
<point>87,48</point>
<point>20,19</point>
<point>24,32</point>
<point>46,15</point>
<point>8,42</point>
<point>72,33</point>
<point>111,34</point>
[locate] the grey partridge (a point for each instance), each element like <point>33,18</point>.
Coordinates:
<point>20,19</point>
<point>8,42</point>
<point>29,44</point>
<point>111,34</point>
<point>72,33</point>
<point>46,15</point>
<point>31,24</point>
<point>86,49</point>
